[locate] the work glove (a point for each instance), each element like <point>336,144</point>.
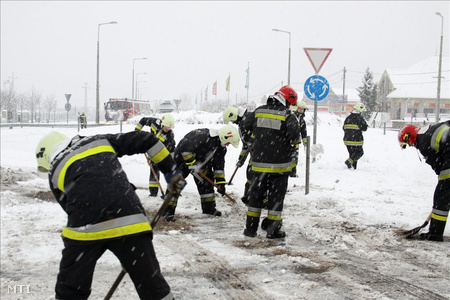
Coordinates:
<point>194,169</point>
<point>240,162</point>
<point>176,183</point>
<point>221,190</point>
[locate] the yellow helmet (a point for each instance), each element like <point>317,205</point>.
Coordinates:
<point>302,104</point>
<point>359,107</point>
<point>46,148</point>
<point>229,134</point>
<point>230,114</point>
<point>168,121</point>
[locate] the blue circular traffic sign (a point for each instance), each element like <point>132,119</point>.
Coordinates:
<point>316,88</point>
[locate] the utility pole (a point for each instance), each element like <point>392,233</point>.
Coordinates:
<point>343,94</point>
<point>85,87</point>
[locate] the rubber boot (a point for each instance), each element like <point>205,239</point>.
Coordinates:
<point>436,231</point>
<point>348,163</point>
<point>273,230</point>
<point>169,214</point>
<point>251,226</point>
<point>153,192</point>
<point>209,208</point>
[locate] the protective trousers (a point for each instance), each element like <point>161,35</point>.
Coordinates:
<point>441,207</point>
<point>136,254</point>
<point>153,181</point>
<point>355,153</point>
<point>274,187</point>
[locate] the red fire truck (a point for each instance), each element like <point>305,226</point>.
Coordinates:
<point>117,109</point>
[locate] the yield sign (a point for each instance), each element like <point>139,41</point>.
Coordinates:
<point>317,56</point>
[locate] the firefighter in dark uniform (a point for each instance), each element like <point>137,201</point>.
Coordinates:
<point>104,212</point>
<point>83,121</point>
<point>433,142</point>
<point>275,129</point>
<point>162,128</point>
<point>353,127</point>
<point>203,150</point>
<point>299,111</point>
<point>238,116</point>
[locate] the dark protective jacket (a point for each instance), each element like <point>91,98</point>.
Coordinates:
<point>167,138</point>
<point>302,124</point>
<point>353,127</point>
<point>89,183</point>
<point>246,136</point>
<point>274,129</point>
<point>433,143</point>
<point>202,146</point>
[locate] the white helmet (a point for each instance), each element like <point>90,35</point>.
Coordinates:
<point>167,120</point>
<point>46,148</point>
<point>229,134</point>
<point>302,104</point>
<point>230,114</point>
<point>359,107</point>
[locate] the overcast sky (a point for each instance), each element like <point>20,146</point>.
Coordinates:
<point>51,46</point>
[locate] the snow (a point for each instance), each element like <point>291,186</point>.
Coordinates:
<point>342,238</point>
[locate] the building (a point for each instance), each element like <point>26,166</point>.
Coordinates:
<point>411,94</point>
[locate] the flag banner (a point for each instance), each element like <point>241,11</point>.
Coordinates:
<point>227,86</point>
<point>247,83</point>
<point>214,88</point>
<point>206,94</point>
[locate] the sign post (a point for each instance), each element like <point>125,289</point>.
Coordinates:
<point>317,87</point>
<point>68,107</point>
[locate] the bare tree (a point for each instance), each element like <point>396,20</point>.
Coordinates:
<point>8,102</point>
<point>34,103</point>
<point>49,105</point>
<point>21,102</point>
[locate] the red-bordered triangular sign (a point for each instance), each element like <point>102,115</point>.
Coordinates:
<point>317,57</point>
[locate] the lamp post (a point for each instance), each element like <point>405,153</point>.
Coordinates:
<point>438,104</point>
<point>138,88</point>
<point>97,96</point>
<point>289,59</point>
<point>136,83</point>
<point>132,78</point>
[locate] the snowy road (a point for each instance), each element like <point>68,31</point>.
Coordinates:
<point>342,238</point>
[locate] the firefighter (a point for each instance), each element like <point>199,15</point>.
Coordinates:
<point>83,121</point>
<point>299,111</point>
<point>353,127</point>
<point>433,142</point>
<point>203,151</point>
<point>162,128</point>
<point>275,129</point>
<point>104,212</point>
<point>238,116</point>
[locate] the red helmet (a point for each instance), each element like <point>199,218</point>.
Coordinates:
<point>407,135</point>
<point>289,94</point>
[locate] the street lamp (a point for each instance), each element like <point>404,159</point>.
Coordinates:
<point>97,96</point>
<point>138,88</point>
<point>132,79</point>
<point>289,60</point>
<point>438,107</point>
<point>137,78</point>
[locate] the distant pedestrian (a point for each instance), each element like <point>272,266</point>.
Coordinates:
<point>433,142</point>
<point>299,111</point>
<point>104,212</point>
<point>238,116</point>
<point>275,129</point>
<point>162,128</point>
<point>353,127</point>
<point>83,120</point>
<point>203,151</point>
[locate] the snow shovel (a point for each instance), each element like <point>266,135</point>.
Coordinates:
<point>410,233</point>
<point>218,187</point>
<point>244,157</point>
<point>154,174</point>
<point>153,223</point>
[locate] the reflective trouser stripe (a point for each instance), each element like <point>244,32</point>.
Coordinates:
<point>254,212</point>
<point>274,215</point>
<point>439,215</point>
<point>444,174</point>
<point>352,143</point>
<point>272,168</point>
<point>207,197</point>
<point>109,229</point>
